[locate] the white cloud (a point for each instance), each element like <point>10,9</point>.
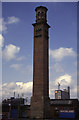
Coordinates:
<point>12,20</point>
<point>64,80</point>
<point>19,83</point>
<point>16,66</point>
<point>25,86</point>
<point>1,40</point>
<point>58,68</point>
<point>20,58</point>
<point>18,87</point>
<point>3,26</point>
<point>10,52</point>
<point>54,86</point>
<point>59,54</point>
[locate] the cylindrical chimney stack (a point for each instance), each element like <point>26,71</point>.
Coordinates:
<point>69,91</point>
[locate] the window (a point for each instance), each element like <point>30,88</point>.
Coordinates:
<point>39,29</point>
<point>38,13</point>
<point>42,13</point>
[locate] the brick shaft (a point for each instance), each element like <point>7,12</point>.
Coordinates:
<point>40,97</point>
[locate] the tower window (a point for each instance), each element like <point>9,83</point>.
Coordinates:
<point>38,13</point>
<point>42,13</point>
<point>39,29</point>
<point>38,35</point>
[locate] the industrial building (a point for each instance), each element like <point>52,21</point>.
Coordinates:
<point>15,108</point>
<point>59,108</point>
<point>64,108</point>
<point>62,94</point>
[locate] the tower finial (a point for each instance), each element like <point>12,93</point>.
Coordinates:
<point>41,14</point>
<point>58,86</point>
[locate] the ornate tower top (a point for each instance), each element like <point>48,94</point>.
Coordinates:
<point>41,14</point>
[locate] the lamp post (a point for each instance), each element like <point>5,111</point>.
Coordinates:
<point>9,110</point>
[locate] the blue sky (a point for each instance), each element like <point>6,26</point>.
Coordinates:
<point>18,46</point>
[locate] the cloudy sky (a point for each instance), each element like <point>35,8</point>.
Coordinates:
<point>17,47</point>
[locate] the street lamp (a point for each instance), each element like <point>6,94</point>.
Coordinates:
<point>9,110</point>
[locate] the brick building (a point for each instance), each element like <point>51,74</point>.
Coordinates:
<point>15,108</point>
<point>69,108</point>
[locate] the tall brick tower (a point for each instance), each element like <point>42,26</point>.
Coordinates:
<point>40,97</point>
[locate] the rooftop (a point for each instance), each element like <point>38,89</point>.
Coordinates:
<point>63,102</point>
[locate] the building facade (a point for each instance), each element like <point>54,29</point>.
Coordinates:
<point>62,94</point>
<point>64,108</point>
<point>40,97</point>
<point>14,108</point>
